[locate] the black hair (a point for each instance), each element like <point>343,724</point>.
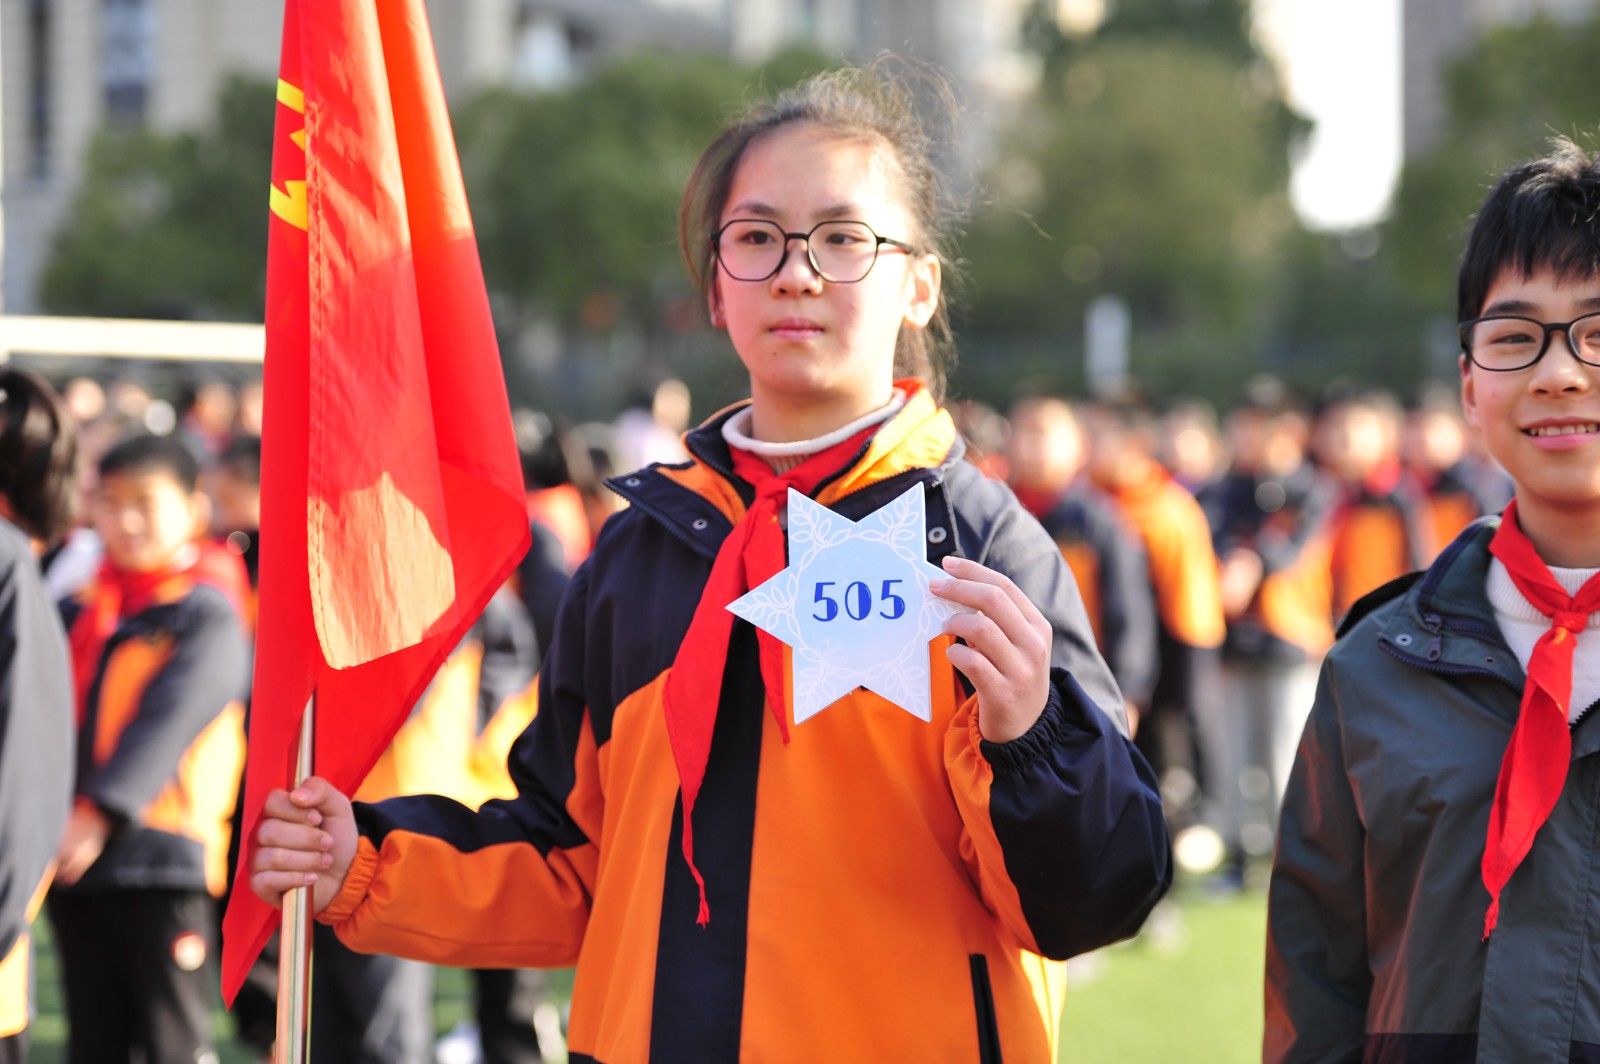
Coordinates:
<point>146,453</point>
<point>241,458</point>
<point>1544,214</point>
<point>874,104</point>
<point>38,455</point>
<point>1129,413</point>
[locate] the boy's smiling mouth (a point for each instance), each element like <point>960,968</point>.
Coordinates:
<point>1568,428</point>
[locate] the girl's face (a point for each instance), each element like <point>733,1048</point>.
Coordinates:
<point>820,354</point>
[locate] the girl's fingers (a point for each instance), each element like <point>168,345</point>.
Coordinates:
<point>275,859</point>
<point>975,667</point>
<point>288,835</point>
<point>992,602</point>
<point>967,569</point>
<point>986,598</point>
<point>271,886</point>
<point>279,806</point>
<point>983,634</point>
<point>316,793</point>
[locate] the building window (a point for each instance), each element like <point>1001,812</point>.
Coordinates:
<point>127,41</point>
<point>39,81</point>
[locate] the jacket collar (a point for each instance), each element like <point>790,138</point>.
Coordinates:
<point>1448,625</point>
<point>1444,622</point>
<point>700,500</point>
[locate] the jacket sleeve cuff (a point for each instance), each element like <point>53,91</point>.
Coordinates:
<point>356,881</point>
<point>1014,755</point>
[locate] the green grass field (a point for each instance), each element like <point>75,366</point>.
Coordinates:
<point>1189,990</point>
<point>1192,993</point>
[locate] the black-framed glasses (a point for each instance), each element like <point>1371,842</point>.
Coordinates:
<point>1501,344</point>
<point>843,252</point>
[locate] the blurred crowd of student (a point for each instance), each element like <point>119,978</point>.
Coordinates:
<point>156,579</point>
<point>1215,555</point>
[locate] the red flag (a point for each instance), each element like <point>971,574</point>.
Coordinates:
<point>392,499</point>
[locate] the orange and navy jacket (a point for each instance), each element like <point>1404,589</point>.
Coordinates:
<point>436,749</point>
<point>880,888</point>
<point>1108,561</point>
<point>161,744</point>
<point>1382,530</point>
<point>1287,522</point>
<point>508,699</point>
<point>1183,565</point>
<point>541,579</point>
<point>35,760</point>
<point>1454,502</point>
<point>1183,572</point>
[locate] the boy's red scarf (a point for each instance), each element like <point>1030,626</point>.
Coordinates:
<point>752,554</point>
<point>116,594</point>
<point>1534,768</point>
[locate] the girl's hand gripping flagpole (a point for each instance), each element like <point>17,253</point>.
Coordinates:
<point>392,498</point>
<point>292,1043</point>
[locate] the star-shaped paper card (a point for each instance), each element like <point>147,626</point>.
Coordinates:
<point>854,605</point>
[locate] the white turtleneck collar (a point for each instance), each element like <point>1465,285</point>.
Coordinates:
<point>1522,624</point>
<point>785,456</point>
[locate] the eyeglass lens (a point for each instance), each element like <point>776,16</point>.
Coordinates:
<point>1513,343</point>
<point>840,251</point>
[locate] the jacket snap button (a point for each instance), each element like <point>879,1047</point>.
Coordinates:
<point>1488,661</point>
<point>1404,639</point>
<point>700,524</point>
<point>937,535</point>
<point>632,482</point>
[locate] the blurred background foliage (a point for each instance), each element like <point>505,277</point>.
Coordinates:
<point>1150,162</point>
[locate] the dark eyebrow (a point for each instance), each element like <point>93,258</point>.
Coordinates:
<point>1522,307</point>
<point>753,207</point>
<point>757,209</point>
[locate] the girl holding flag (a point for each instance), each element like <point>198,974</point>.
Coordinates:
<point>869,885</point>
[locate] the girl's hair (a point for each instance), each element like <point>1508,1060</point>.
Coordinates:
<point>872,105</point>
<point>38,455</point>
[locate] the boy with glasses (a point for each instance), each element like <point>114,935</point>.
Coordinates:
<point>1434,893</point>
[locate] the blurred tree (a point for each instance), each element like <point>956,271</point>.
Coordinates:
<point>574,196</point>
<point>1339,316</point>
<point>1507,97</point>
<point>1150,166</point>
<point>575,192</point>
<point>171,226</point>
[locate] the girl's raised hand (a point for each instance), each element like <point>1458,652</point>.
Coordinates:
<point>1006,655</point>
<point>305,837</point>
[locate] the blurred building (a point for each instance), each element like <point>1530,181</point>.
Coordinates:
<point>1436,31</point>
<point>71,67</point>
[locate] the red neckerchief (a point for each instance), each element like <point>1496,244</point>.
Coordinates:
<point>1382,481</point>
<point>1534,768</point>
<point>752,554</point>
<point>1036,501</point>
<point>116,594</point>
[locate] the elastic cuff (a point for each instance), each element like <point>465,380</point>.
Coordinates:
<point>356,881</point>
<point>116,814</point>
<point>1016,754</point>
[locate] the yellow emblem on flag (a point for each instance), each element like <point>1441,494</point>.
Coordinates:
<point>289,202</point>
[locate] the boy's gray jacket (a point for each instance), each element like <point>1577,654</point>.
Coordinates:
<point>1375,944</point>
